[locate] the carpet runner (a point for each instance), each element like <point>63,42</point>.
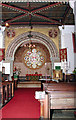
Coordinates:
<point>22,105</point>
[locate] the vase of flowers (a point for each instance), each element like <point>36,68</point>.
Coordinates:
<point>74,71</point>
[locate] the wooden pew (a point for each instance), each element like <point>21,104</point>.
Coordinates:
<point>62,100</point>
<point>60,96</point>
<point>59,86</point>
<point>45,85</point>
<point>7,91</point>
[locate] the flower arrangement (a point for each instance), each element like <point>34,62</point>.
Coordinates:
<point>74,70</point>
<point>17,71</point>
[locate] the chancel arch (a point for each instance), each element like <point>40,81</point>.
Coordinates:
<point>37,38</point>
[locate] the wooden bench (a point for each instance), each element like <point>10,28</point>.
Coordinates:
<point>7,91</point>
<point>60,96</point>
<point>59,86</point>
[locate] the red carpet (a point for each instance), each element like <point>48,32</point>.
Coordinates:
<point>22,105</point>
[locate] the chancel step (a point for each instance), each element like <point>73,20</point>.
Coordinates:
<point>29,84</point>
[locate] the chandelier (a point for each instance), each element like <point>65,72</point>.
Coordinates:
<point>30,45</point>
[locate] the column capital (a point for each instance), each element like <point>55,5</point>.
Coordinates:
<point>53,59</point>
<point>2,28</point>
<point>9,59</point>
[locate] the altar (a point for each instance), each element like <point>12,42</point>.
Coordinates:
<point>33,76</point>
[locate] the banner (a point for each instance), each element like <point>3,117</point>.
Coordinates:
<point>74,42</point>
<point>63,54</point>
<point>2,54</point>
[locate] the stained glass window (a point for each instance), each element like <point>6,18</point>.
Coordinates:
<point>34,58</point>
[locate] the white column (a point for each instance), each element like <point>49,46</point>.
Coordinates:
<point>2,37</point>
<point>71,2</point>
<point>1,42</point>
<point>67,42</point>
<point>10,69</point>
<point>75,15</point>
<point>73,6</point>
<point>53,60</point>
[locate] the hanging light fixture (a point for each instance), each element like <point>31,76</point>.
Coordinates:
<point>30,45</point>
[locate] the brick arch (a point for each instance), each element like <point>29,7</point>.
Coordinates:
<point>13,46</point>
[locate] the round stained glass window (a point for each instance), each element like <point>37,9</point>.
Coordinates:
<point>34,58</point>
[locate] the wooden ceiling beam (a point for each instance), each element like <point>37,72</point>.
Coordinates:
<point>46,18</point>
<point>38,15</point>
<point>7,21</point>
<point>33,23</point>
<point>66,14</point>
<point>14,8</point>
<point>56,17</point>
<point>9,12</point>
<point>47,12</point>
<point>46,7</point>
<point>35,12</point>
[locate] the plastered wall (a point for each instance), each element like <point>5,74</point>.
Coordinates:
<point>21,30</point>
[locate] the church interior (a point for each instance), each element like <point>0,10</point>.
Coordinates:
<point>38,59</point>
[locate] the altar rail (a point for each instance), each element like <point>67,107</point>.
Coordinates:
<point>7,92</point>
<point>32,77</point>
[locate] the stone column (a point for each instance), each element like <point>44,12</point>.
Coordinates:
<point>11,69</point>
<point>53,60</point>
<point>52,64</point>
<point>2,46</point>
<point>10,60</point>
<point>2,34</point>
<point>75,14</point>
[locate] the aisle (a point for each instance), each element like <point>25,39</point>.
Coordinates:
<point>23,105</point>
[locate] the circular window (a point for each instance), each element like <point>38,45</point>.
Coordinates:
<point>34,58</point>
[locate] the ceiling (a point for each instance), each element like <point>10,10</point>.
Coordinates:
<point>37,13</point>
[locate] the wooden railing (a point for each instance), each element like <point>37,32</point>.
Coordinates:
<point>32,77</point>
<point>7,92</point>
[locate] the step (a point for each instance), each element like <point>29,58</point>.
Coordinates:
<point>29,84</point>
